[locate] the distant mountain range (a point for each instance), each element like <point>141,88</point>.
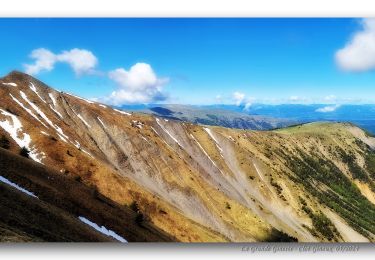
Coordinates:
<point>215,116</point>
<point>264,117</point>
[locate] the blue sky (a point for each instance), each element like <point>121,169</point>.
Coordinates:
<point>197,61</point>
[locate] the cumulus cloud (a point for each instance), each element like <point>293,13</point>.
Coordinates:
<point>238,97</point>
<point>359,53</point>
<point>44,60</point>
<point>139,84</point>
<point>80,60</point>
<point>241,99</point>
<point>327,109</point>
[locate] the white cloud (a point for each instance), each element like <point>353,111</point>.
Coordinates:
<point>44,60</point>
<point>238,97</point>
<point>80,60</point>
<point>327,109</point>
<point>137,85</point>
<point>241,99</point>
<point>359,53</point>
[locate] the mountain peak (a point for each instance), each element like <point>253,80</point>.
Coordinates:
<point>15,74</point>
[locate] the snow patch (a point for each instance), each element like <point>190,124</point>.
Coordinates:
<point>57,112</point>
<point>144,138</point>
<point>77,144</point>
<point>213,138</point>
<point>200,146</point>
<point>101,122</point>
<point>153,129</point>
<point>102,106</point>
<point>259,172</point>
<point>83,120</point>
<point>10,84</point>
<point>103,230</point>
<point>58,129</point>
<point>88,101</point>
<point>86,152</point>
<point>166,131</point>
<point>53,99</point>
<point>33,88</point>
<point>27,110</point>
<point>14,129</point>
<point>122,112</point>
<point>54,105</point>
<point>44,133</point>
<point>6,181</point>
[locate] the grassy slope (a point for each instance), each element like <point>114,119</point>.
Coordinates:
<point>339,174</point>
<point>61,200</point>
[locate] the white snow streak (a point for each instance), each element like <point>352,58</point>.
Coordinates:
<point>77,144</point>
<point>213,137</point>
<point>44,133</point>
<point>144,138</point>
<point>83,120</point>
<point>14,129</point>
<point>53,99</point>
<point>33,88</point>
<point>6,181</point>
<point>259,172</point>
<point>192,136</point>
<point>122,112</point>
<point>165,130</point>
<point>103,230</point>
<point>54,105</point>
<point>86,152</point>
<point>102,123</point>
<point>88,101</point>
<point>58,129</point>
<point>153,129</point>
<point>102,106</point>
<point>57,112</point>
<point>10,84</point>
<point>27,110</point>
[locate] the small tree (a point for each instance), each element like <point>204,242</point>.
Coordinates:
<point>25,152</point>
<point>139,218</point>
<point>4,142</point>
<point>134,206</point>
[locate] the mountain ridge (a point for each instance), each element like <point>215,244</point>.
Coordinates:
<point>200,183</point>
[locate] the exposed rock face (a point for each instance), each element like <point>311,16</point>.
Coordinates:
<point>313,182</point>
